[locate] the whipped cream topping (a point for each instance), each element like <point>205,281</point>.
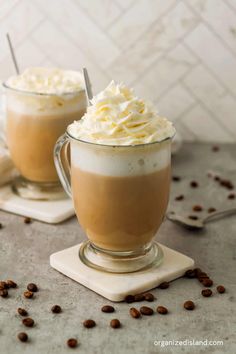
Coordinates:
<point>47,80</point>
<point>118,117</point>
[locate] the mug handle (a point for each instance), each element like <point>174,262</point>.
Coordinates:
<point>63,176</point>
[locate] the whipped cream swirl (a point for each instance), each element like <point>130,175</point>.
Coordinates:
<point>118,117</point>
<point>47,80</point>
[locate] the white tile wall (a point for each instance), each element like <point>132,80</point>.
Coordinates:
<point>179,53</point>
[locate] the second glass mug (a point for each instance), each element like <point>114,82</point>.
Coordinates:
<point>120,196</point>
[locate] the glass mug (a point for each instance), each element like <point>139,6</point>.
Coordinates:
<point>120,196</point>
<point>34,122</point>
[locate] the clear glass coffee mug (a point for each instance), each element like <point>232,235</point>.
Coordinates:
<point>120,196</point>
<point>34,122</point>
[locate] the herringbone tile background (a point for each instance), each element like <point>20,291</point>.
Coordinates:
<point>180,54</point>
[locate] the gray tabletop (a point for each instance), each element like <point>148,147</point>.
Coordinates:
<point>24,257</point>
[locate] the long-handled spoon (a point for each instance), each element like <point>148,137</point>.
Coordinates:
<point>88,88</point>
<point>12,54</point>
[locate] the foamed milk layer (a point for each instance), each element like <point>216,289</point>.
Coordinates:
<point>120,161</point>
<point>62,92</point>
<point>118,117</point>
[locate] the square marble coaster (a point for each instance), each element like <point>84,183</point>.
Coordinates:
<point>51,212</point>
<point>116,286</point>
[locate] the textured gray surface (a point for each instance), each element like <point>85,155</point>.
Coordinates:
<point>24,257</point>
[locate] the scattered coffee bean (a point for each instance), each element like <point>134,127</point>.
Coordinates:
<point>108,309</point>
<point>1,226</point>
<point>22,336</point>
<point>179,197</point>
<point>164,285</point>
<point>215,148</point>
<point>193,184</point>
<point>22,312</point>
<point>231,196</point>
<point>134,312</point>
<point>190,273</point>
<point>129,299</point>
<point>139,297</point>
<point>149,297</point>
<point>146,311</point>
<point>220,289</point>
<point>115,323</point>
<point>176,178</point>
<point>28,294</point>
<point>28,322</point>
<point>4,293</point>
<point>197,271</point>
<point>56,309</point>
<point>227,184</point>
<point>3,285</point>
<point>189,305</point>
<point>207,282</point>
<point>162,310</point>
<point>193,217</point>
<point>197,208</point>
<point>211,210</point>
<point>72,343</point>
<point>217,178</point>
<point>206,292</point>
<point>32,287</point>
<point>89,323</point>
<point>27,220</point>
<point>11,284</point>
<point>202,275</point>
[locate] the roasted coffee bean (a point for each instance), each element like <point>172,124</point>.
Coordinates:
<point>115,323</point>
<point>207,282</point>
<point>189,305</point>
<point>217,178</point>
<point>193,217</point>
<point>179,197</point>
<point>197,271</point>
<point>28,294</point>
<point>139,297</point>
<point>129,299</point>
<point>202,276</point>
<point>211,210</point>
<point>32,287</point>
<point>3,285</point>
<point>220,289</point>
<point>22,312</point>
<point>193,184</point>
<point>164,285</point>
<point>4,293</point>
<point>134,312</point>
<point>1,226</point>
<point>22,336</point>
<point>231,196</point>
<point>162,310</point>
<point>227,184</point>
<point>72,343</point>
<point>28,322</point>
<point>190,273</point>
<point>108,309</point>
<point>146,311</point>
<point>149,297</point>
<point>89,323</point>
<point>176,178</point>
<point>11,284</point>
<point>206,292</point>
<point>27,220</point>
<point>197,208</point>
<point>215,148</point>
<point>56,309</point>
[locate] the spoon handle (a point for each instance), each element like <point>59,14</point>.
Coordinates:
<point>219,214</point>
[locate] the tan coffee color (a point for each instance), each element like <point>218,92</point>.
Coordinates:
<point>120,213</point>
<point>31,141</point>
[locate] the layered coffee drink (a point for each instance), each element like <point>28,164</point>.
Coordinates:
<point>120,170</point>
<point>41,102</point>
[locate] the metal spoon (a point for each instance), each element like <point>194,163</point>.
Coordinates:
<point>200,222</point>
<point>88,88</point>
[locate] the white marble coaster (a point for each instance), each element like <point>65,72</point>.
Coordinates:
<point>51,212</point>
<point>116,286</point>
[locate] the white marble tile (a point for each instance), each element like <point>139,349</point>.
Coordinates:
<point>103,13</point>
<point>124,4</point>
<point>216,56</point>
<point>28,54</point>
<point>220,17</point>
<point>137,19</point>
